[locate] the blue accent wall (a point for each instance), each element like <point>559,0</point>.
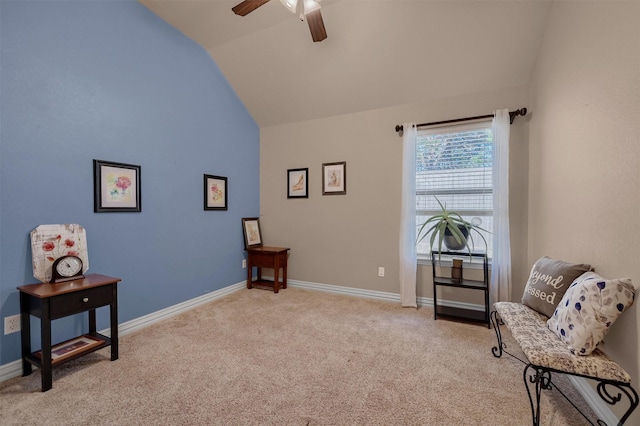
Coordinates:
<point>109,80</point>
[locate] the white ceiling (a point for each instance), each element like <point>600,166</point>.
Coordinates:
<point>379,53</point>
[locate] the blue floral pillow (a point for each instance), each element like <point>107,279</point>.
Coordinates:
<point>588,309</point>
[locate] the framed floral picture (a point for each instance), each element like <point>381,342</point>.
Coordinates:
<point>215,192</point>
<point>334,178</point>
<point>298,183</point>
<point>251,231</point>
<point>116,187</point>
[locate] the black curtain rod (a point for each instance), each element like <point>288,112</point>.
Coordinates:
<point>512,116</point>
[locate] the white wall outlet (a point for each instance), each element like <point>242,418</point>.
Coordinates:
<point>244,263</point>
<point>380,271</point>
<point>12,324</point>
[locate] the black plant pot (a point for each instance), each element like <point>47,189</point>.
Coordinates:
<point>450,240</point>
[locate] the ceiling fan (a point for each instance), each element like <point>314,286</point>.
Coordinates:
<point>309,9</point>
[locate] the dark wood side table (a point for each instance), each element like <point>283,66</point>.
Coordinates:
<point>271,258</point>
<point>52,301</point>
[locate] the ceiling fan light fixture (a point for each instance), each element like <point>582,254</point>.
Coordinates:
<point>292,5</point>
<point>308,10</point>
<point>310,6</point>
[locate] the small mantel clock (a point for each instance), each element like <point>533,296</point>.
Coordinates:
<point>66,268</point>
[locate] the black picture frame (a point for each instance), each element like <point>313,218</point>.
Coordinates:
<point>334,178</point>
<point>251,231</point>
<point>116,187</point>
<point>216,191</point>
<point>298,183</point>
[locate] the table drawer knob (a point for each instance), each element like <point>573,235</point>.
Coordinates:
<point>85,299</point>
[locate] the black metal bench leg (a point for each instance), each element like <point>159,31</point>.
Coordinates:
<point>611,399</point>
<point>496,321</point>
<point>540,379</point>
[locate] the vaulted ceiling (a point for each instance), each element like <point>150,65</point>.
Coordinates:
<point>379,53</point>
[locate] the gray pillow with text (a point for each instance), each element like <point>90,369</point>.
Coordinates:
<point>548,281</point>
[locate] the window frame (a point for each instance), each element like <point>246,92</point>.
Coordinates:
<point>481,124</point>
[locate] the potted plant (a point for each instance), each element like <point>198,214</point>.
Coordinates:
<point>449,228</point>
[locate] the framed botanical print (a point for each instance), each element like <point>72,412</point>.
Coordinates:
<point>251,231</point>
<point>334,178</point>
<point>116,187</point>
<point>215,192</point>
<point>298,183</point>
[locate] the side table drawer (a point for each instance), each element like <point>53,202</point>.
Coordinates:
<point>262,259</point>
<point>267,260</point>
<point>80,301</point>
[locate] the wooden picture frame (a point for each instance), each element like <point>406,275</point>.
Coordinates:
<point>116,187</point>
<point>215,192</point>
<point>334,178</point>
<point>298,183</point>
<point>251,232</point>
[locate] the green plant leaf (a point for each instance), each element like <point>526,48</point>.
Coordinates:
<point>422,236</point>
<point>456,232</point>
<point>437,224</point>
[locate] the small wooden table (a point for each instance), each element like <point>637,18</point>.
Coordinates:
<point>271,258</point>
<point>52,301</point>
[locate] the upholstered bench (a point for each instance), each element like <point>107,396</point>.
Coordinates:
<point>546,353</point>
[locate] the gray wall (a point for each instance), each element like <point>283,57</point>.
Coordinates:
<point>343,239</point>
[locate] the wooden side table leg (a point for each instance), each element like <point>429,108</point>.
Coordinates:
<point>25,333</point>
<point>249,273</point>
<point>113,311</point>
<point>276,278</point>
<point>92,321</point>
<point>284,271</point>
<point>45,337</point>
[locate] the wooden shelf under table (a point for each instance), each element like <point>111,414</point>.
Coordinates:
<point>99,341</point>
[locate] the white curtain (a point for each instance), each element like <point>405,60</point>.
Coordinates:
<point>408,256</point>
<point>500,285</point>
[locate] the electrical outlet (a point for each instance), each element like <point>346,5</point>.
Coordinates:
<point>12,324</point>
<point>244,263</point>
<point>381,271</point>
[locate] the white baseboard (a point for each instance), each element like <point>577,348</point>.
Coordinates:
<point>346,291</point>
<point>599,407</point>
<point>10,370</point>
<point>379,295</point>
<point>14,369</point>
<point>154,317</point>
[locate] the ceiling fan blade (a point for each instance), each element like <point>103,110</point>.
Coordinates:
<point>247,6</point>
<point>316,25</point>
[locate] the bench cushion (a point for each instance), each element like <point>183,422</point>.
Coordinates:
<point>544,349</point>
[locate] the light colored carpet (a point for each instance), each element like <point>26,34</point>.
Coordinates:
<point>298,357</point>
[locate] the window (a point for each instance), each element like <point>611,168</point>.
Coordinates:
<point>454,164</point>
